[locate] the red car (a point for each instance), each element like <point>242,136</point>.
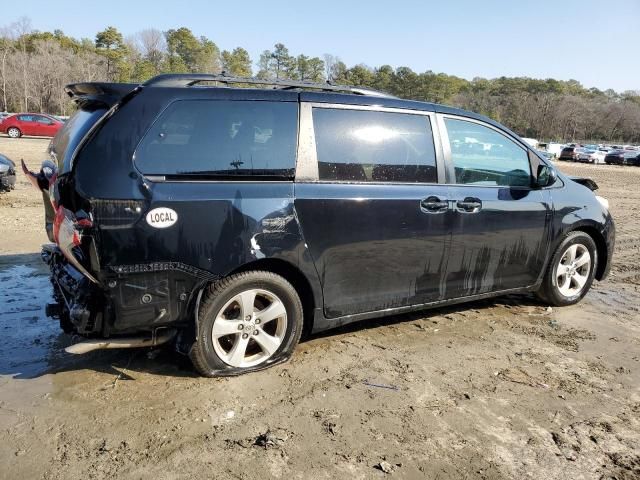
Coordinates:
<point>37,124</point>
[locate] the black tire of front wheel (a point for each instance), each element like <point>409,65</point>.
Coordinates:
<point>548,291</point>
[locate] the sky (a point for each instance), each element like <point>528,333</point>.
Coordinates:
<point>594,42</point>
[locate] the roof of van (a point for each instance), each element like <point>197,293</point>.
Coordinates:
<point>282,90</point>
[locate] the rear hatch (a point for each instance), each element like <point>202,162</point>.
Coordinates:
<point>68,218</point>
<point>94,101</point>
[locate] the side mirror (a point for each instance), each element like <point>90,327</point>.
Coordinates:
<point>546,176</point>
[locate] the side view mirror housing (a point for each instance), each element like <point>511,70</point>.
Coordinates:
<point>547,176</point>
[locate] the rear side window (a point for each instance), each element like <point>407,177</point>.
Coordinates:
<point>482,156</point>
<point>43,120</point>
<point>25,118</point>
<point>71,134</point>
<point>221,138</point>
<point>370,146</point>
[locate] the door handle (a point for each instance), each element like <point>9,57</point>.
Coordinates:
<point>433,204</point>
<point>469,205</point>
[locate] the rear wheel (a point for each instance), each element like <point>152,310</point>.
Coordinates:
<point>571,270</point>
<point>246,322</point>
<point>14,132</point>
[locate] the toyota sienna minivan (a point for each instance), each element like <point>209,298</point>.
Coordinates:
<point>228,219</point>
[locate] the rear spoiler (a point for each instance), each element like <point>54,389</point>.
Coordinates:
<point>107,94</point>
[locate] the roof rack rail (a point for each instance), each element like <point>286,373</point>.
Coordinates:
<point>190,79</point>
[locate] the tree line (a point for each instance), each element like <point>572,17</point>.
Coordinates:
<point>35,66</point>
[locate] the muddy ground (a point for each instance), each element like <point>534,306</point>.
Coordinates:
<point>505,388</point>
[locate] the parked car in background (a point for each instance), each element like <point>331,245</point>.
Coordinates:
<point>544,154</point>
<point>621,157</point>
<point>7,173</point>
<point>3,115</point>
<point>594,156</point>
<point>551,150</point>
<point>555,148</point>
<point>570,153</point>
<point>631,157</point>
<point>36,124</point>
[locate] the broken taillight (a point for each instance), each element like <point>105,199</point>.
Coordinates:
<point>67,232</point>
<point>67,225</point>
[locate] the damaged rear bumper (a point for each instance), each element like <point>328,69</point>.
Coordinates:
<point>128,300</point>
<point>75,298</point>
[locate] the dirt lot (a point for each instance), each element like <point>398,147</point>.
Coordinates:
<point>496,389</point>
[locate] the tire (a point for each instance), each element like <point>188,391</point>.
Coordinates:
<point>567,280</point>
<point>229,341</point>
<point>14,132</point>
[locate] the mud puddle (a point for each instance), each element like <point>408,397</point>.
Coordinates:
<point>31,342</point>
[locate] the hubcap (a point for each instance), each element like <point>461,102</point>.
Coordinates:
<point>13,133</point>
<point>573,270</point>
<point>249,328</point>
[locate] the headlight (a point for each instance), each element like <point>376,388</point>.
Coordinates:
<point>603,201</point>
<point>4,168</point>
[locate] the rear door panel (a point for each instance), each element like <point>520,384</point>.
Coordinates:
<point>374,244</point>
<point>26,126</point>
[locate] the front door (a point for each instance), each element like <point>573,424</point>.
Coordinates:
<point>44,126</point>
<point>372,212</point>
<point>500,224</point>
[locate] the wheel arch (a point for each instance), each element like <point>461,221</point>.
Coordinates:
<point>601,246</point>
<point>295,277</point>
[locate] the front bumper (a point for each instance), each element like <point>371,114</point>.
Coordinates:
<point>609,234</point>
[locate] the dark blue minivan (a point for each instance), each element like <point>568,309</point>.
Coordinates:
<point>228,216</point>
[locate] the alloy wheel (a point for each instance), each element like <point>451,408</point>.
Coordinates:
<point>573,270</point>
<point>249,328</point>
<point>13,132</point>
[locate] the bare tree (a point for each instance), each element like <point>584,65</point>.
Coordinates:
<point>153,46</point>
<point>329,62</point>
<point>22,28</point>
<point>7,40</point>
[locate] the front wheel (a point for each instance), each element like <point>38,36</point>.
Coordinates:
<point>571,270</point>
<point>14,132</point>
<point>246,322</point>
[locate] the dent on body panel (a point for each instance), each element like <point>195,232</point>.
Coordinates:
<point>220,226</point>
<point>277,231</point>
<point>257,228</point>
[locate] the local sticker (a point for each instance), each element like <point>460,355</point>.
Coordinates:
<point>162,217</point>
